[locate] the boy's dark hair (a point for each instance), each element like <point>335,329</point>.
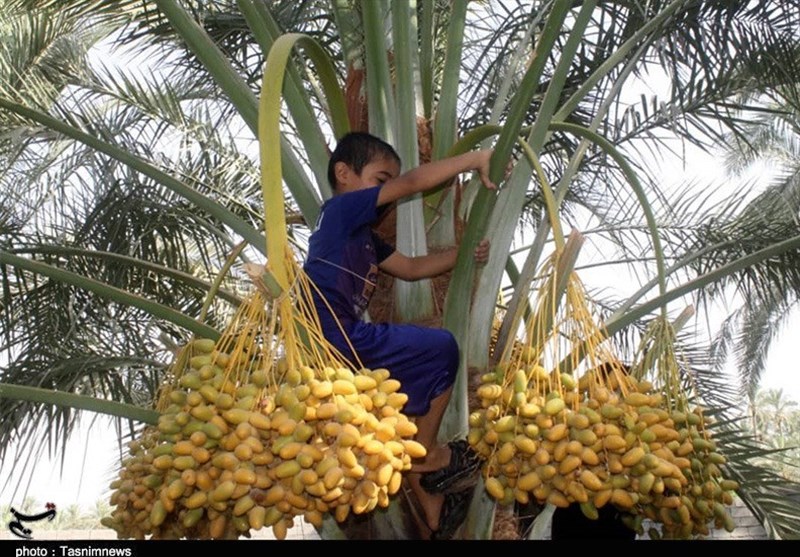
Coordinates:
<point>357,150</point>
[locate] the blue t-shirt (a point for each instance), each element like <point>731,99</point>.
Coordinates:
<point>343,257</point>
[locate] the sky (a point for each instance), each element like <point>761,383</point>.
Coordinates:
<point>90,465</point>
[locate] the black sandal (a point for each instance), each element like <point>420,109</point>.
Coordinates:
<point>464,462</point>
<point>454,512</point>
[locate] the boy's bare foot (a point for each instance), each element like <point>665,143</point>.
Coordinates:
<point>442,513</point>
<point>459,473</point>
<point>437,458</point>
<point>431,503</point>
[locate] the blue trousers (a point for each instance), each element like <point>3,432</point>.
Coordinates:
<point>424,360</point>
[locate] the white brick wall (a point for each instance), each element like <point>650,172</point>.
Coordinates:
<point>747,526</point>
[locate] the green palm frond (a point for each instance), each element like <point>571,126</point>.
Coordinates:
<point>768,494</point>
<point>770,137</point>
<point>710,67</point>
<point>722,343</point>
<point>70,351</point>
<point>79,258</point>
<point>759,327</point>
<point>225,169</point>
<point>768,292</point>
<point>42,50</point>
<point>61,337</point>
<point>766,219</point>
<point>695,107</point>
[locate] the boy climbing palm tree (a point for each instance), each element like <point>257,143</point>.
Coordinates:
<point>343,261</point>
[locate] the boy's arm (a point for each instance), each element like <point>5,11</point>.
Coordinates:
<point>428,266</point>
<point>415,268</point>
<point>428,176</point>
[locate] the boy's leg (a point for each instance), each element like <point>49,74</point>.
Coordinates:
<point>427,429</point>
<point>438,457</point>
<point>426,362</point>
<point>442,515</point>
<point>431,503</point>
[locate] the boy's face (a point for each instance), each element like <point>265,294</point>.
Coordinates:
<point>375,173</point>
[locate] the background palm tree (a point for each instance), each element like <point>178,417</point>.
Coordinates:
<point>774,414</point>
<point>776,423</point>
<point>188,120</point>
<point>100,219</point>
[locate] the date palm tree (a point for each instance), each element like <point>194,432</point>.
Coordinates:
<point>125,190</point>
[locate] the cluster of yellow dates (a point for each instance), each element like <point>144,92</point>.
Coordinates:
<point>557,440</point>
<point>227,458</point>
